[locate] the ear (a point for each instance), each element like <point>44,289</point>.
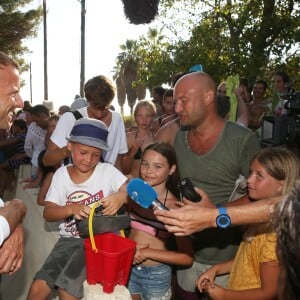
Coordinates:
<point>69,146</point>
<point>209,96</point>
<point>280,185</point>
<point>172,170</point>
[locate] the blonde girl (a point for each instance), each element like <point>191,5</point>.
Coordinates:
<point>255,269</point>
<point>138,139</point>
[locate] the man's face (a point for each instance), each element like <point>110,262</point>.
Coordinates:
<point>168,105</point>
<point>42,120</point>
<point>10,98</point>
<point>189,103</point>
<point>278,84</point>
<point>258,91</point>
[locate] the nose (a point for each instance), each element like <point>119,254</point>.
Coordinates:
<point>178,107</point>
<point>149,170</point>
<point>88,158</point>
<point>250,178</point>
<point>19,101</point>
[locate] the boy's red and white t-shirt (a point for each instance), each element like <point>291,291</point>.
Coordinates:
<point>105,180</point>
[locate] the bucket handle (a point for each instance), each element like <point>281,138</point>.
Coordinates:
<point>90,224</point>
<point>91,233</point>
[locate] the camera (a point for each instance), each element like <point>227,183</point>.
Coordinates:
<point>285,129</point>
<point>186,189</point>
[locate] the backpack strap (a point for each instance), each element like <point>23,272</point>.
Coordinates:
<point>77,115</point>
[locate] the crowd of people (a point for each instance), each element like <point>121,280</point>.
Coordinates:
<point>85,155</point>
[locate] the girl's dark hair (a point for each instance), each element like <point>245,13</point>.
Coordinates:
<point>167,151</point>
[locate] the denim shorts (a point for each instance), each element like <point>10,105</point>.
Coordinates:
<point>65,266</point>
<point>151,283</point>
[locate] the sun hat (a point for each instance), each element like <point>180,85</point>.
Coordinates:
<point>90,132</point>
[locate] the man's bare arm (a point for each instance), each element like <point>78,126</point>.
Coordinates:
<point>14,212</point>
<point>54,154</point>
<point>192,218</point>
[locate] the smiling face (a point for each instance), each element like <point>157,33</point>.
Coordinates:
<point>155,168</point>
<point>85,158</point>
<point>10,98</point>
<point>261,185</point>
<point>259,91</point>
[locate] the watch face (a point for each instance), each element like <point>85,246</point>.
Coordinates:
<point>223,221</point>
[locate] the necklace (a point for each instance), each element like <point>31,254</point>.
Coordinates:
<point>167,191</point>
<point>187,142</point>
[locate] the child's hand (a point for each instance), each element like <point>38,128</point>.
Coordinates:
<point>206,278</point>
<point>112,203</point>
<point>135,146</point>
<point>139,257</point>
<point>80,211</point>
<point>26,180</point>
<point>203,285</point>
<point>215,292</point>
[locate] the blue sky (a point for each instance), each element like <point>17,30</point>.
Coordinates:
<point>106,29</point>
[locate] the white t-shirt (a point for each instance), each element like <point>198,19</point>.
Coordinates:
<point>4,226</point>
<point>105,180</point>
<point>116,138</point>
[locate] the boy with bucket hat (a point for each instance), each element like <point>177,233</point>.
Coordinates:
<point>73,189</point>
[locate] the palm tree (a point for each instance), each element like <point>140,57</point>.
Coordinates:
<point>121,93</point>
<point>126,75</point>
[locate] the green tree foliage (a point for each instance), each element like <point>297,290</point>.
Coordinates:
<point>126,74</point>
<point>154,52</point>
<point>141,65</point>
<point>251,38</point>
<point>16,25</point>
<point>242,37</point>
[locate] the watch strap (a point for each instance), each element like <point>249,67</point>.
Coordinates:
<point>222,210</point>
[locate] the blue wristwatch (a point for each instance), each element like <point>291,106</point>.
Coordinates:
<point>223,220</point>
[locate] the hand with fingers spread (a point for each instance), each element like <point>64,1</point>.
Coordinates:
<point>185,220</point>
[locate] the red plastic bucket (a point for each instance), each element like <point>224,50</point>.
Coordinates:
<point>112,263</point>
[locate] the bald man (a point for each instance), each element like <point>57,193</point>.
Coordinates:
<point>212,152</point>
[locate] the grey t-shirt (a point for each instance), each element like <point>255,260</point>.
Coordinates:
<point>216,172</point>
